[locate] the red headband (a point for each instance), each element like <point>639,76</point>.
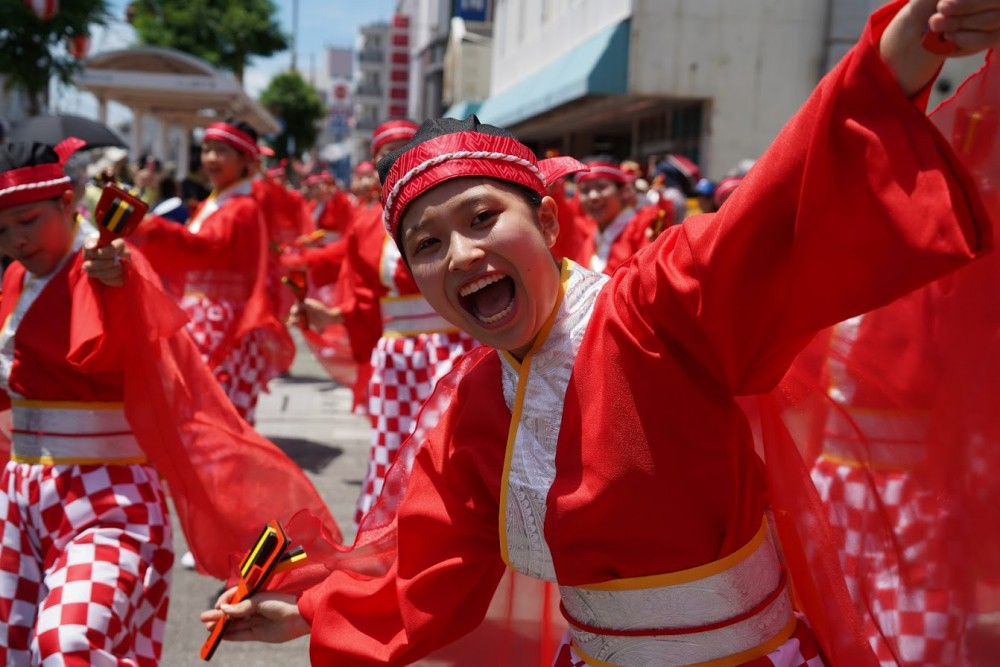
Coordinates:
<point>392,130</point>
<point>40,181</point>
<point>233,136</point>
<point>316,179</point>
<point>606,170</point>
<point>463,154</point>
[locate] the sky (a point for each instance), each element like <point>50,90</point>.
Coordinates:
<point>321,23</point>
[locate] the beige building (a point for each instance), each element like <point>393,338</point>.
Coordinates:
<point>712,79</point>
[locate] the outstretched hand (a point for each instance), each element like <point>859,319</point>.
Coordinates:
<point>971,26</point>
<point>266,617</point>
<point>315,315</point>
<point>104,263</point>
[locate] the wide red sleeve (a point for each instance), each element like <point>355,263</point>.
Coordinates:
<point>325,262</point>
<point>359,285</point>
<point>859,200</point>
<point>225,479</point>
<point>230,238</point>
<point>448,561</point>
<point>636,236</point>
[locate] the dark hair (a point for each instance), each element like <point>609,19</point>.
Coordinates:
<point>434,128</point>
<point>191,189</point>
<point>245,127</point>
<point>18,154</point>
<point>167,187</point>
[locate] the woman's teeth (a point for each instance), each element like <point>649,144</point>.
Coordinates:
<point>477,285</point>
<point>499,316</point>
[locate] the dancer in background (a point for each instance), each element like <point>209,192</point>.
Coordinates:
<point>409,344</point>
<point>220,262</point>
<point>108,396</point>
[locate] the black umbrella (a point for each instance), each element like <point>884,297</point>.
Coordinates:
<point>53,129</point>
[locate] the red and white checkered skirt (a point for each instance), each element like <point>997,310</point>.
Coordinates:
<point>912,582</point>
<point>245,370</point>
<point>84,565</point>
<point>800,650</point>
<point>404,371</point>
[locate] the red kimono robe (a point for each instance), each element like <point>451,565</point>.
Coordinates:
<point>286,218</point>
<point>654,469</point>
<point>606,250</point>
<point>113,389</point>
<point>221,261</point>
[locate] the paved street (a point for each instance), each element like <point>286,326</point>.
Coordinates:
<point>308,416</point>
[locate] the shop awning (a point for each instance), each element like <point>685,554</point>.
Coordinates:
<point>599,66</point>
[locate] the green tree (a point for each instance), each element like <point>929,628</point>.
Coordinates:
<point>32,51</point>
<point>300,108</point>
<point>226,33</point>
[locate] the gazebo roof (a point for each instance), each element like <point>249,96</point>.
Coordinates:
<point>173,86</point>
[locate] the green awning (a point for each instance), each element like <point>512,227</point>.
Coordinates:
<point>599,66</point>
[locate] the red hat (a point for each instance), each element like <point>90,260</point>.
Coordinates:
<point>234,136</point>
<point>392,130</point>
<point>264,150</point>
<point>319,177</point>
<point>725,188</point>
<point>42,178</point>
<point>366,167</point>
<point>446,148</point>
<point>606,170</point>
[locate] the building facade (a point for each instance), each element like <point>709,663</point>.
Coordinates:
<point>712,79</point>
<point>382,83</point>
<point>333,81</point>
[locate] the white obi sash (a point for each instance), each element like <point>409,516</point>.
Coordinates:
<point>68,433</point>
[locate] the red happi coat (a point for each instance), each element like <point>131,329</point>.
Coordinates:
<point>232,241</point>
<point>361,282</point>
<point>81,341</point>
<point>336,214</point>
<point>286,218</point>
<point>713,309</point>
<point>578,241</point>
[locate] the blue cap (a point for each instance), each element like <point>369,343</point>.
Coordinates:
<point>704,188</point>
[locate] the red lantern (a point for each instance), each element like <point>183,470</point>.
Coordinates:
<point>43,9</point>
<point>78,46</point>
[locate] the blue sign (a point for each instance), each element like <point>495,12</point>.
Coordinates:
<point>472,10</point>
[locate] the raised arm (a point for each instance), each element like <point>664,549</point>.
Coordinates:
<point>858,201</point>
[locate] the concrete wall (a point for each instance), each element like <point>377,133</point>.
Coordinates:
<point>754,62</point>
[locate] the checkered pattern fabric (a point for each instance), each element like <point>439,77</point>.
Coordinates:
<point>800,650</point>
<point>917,603</point>
<point>244,374</point>
<point>405,370</point>
<point>209,321</point>
<point>84,565</point>
<point>245,371</point>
